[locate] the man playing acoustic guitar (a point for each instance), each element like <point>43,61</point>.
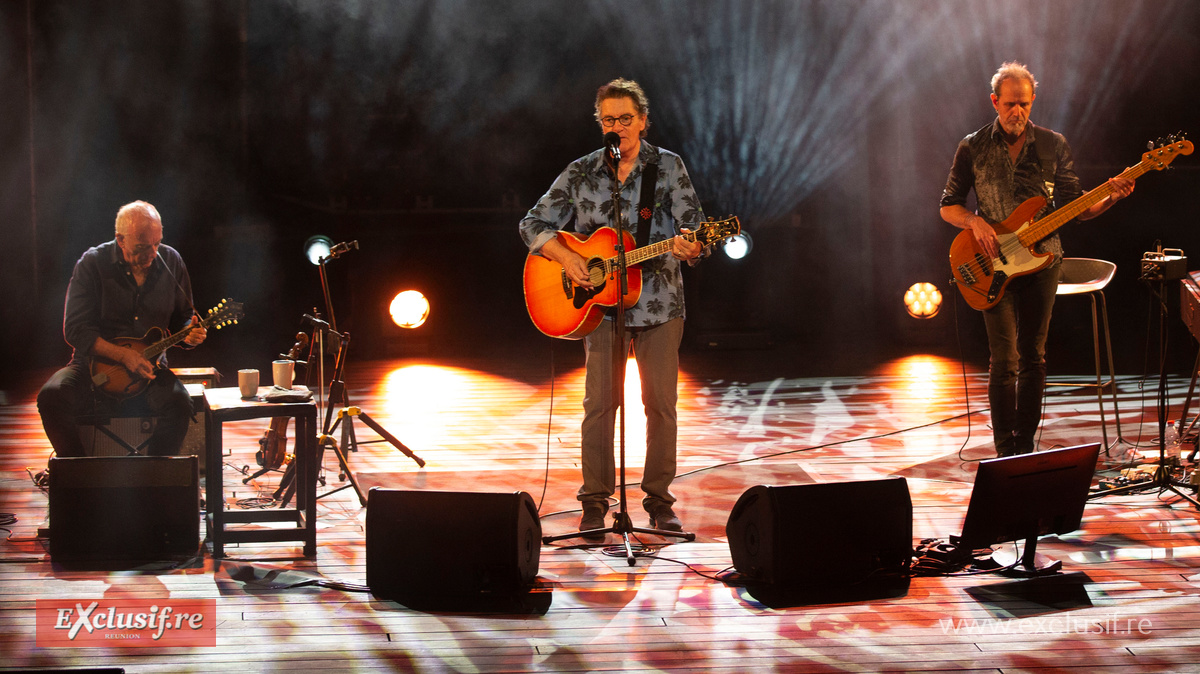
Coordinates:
<point>580,198</point>
<point>123,288</point>
<point>1006,162</point>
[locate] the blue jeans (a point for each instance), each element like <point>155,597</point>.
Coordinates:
<point>656,349</point>
<point>1016,328</point>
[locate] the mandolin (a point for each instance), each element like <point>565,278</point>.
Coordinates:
<point>111,377</point>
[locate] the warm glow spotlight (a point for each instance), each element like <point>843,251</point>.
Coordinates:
<point>738,246</point>
<point>317,247</point>
<point>409,309</point>
<point>923,300</point>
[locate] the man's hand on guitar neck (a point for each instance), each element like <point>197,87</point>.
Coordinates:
<point>197,334</point>
<point>684,250</point>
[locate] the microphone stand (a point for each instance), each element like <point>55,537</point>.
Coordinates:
<point>622,523</point>
<point>338,397</point>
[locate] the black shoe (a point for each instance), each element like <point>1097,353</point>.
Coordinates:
<point>662,517</point>
<point>592,519</point>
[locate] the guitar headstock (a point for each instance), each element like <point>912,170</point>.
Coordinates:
<point>1160,157</point>
<point>225,313</point>
<point>716,230</point>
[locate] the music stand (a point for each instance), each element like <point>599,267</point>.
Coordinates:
<point>338,398</point>
<point>622,524</point>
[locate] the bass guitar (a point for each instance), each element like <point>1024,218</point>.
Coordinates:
<point>982,279</point>
<point>111,377</point>
<point>560,308</point>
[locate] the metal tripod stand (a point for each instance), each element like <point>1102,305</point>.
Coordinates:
<point>338,399</point>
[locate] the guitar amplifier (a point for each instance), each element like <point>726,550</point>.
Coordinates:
<point>126,436</point>
<point>116,436</point>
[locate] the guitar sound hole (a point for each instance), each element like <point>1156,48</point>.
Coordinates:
<point>596,273</point>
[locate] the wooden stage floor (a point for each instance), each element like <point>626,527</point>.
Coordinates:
<point>1126,599</point>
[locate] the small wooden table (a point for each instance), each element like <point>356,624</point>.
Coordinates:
<point>226,404</point>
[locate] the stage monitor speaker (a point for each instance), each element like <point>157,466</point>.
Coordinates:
<point>128,508</point>
<point>821,535</point>
<point>424,544</point>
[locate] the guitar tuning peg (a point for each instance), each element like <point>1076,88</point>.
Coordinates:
<point>1149,145</point>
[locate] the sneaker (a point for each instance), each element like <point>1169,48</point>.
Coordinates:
<point>592,519</point>
<point>662,517</point>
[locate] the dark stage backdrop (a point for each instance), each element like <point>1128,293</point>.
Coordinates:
<point>424,130</point>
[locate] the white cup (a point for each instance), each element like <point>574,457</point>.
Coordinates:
<point>248,383</point>
<point>282,371</point>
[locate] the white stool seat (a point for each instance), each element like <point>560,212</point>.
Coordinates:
<point>1080,275</point>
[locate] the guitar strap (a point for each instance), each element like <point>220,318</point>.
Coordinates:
<point>1044,143</point>
<point>646,205</point>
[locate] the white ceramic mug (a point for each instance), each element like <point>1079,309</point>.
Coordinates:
<point>248,383</point>
<point>282,372</point>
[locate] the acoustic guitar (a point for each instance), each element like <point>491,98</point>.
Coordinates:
<point>560,308</point>
<point>982,279</point>
<point>111,377</point>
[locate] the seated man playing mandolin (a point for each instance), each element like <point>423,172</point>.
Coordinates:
<point>122,294</point>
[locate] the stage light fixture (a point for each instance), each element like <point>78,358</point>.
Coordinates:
<point>317,247</point>
<point>923,300</point>
<point>738,246</point>
<point>409,309</point>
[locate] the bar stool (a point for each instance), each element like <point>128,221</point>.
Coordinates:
<point>1087,276</point>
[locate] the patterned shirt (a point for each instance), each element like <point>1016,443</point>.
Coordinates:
<point>982,161</point>
<point>581,199</point>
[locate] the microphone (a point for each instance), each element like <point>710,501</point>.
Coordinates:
<point>613,142</point>
<point>315,322</point>
<point>341,249</point>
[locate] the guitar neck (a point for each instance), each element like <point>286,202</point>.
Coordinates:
<point>653,250</point>
<point>151,352</point>
<point>1047,225</point>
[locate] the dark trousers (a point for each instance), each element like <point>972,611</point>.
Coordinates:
<point>1017,327</point>
<point>67,398</point>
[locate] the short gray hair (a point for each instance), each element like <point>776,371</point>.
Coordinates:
<point>1012,71</point>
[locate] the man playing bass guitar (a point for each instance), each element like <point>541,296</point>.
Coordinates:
<point>123,288</point>
<point>1007,162</point>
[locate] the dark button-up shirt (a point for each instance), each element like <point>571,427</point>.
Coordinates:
<point>982,162</point>
<point>581,199</point>
<point>104,300</point>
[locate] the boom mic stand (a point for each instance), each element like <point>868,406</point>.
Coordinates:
<point>622,524</point>
<point>1162,475</point>
<point>338,397</point>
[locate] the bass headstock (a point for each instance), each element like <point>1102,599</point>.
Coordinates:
<point>1159,156</point>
